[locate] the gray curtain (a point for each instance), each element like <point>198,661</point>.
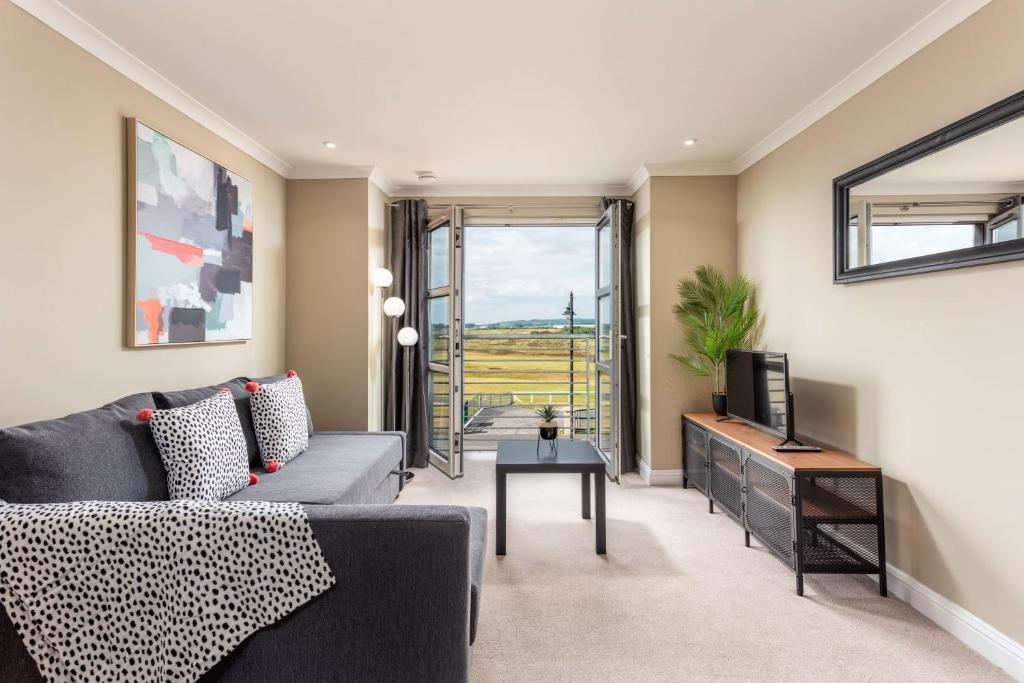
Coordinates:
<point>629,435</point>
<point>409,267</point>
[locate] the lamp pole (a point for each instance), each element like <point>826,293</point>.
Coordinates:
<point>571,314</point>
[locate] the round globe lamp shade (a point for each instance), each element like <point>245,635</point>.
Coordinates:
<point>381,277</point>
<point>393,307</point>
<point>407,336</point>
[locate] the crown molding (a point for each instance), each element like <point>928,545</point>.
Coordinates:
<point>590,190</point>
<point>637,180</point>
<point>92,40</point>
<point>939,21</point>
<point>382,181</point>
<point>372,174</point>
<point>691,169</point>
<point>322,172</point>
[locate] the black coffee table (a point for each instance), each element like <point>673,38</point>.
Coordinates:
<point>520,457</point>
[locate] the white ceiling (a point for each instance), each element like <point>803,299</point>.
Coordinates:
<point>531,92</point>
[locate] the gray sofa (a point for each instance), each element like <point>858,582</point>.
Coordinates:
<point>409,577</point>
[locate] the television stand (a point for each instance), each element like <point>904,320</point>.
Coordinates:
<point>724,419</point>
<point>817,512</point>
<point>795,445</point>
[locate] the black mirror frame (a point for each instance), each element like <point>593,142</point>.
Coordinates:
<point>991,117</point>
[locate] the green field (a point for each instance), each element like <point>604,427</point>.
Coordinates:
<point>530,363</point>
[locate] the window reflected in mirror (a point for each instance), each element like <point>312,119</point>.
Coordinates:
<point>948,206</point>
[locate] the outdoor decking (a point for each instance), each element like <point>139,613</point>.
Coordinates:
<point>484,430</point>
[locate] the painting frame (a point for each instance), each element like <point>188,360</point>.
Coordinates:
<point>132,270</point>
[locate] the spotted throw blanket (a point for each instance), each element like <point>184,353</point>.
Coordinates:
<point>107,591</point>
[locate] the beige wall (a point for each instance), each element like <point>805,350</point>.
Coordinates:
<point>692,221</point>
<point>642,275</point>
<point>62,234</point>
<point>328,298</point>
<point>377,247</point>
<point>919,374</point>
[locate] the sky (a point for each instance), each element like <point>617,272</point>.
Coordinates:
<point>518,273</point>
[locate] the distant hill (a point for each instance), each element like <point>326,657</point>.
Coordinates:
<point>533,322</point>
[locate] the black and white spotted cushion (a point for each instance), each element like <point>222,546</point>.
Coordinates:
<point>151,592</point>
<point>279,420</point>
<point>203,448</point>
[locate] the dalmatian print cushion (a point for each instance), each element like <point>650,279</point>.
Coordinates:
<point>279,420</point>
<point>156,591</point>
<point>203,448</point>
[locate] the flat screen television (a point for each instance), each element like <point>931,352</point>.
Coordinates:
<point>757,383</point>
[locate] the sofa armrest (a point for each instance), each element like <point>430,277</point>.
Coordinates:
<point>400,610</point>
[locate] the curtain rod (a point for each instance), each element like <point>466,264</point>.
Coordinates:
<point>511,206</point>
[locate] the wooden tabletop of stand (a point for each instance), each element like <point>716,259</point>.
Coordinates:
<point>825,460</point>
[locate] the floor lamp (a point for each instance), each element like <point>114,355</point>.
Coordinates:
<point>393,308</point>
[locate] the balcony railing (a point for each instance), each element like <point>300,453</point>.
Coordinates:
<point>508,376</point>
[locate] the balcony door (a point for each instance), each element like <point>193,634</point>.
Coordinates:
<point>607,336</point>
<point>444,341</point>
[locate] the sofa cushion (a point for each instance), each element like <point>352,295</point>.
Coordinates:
<point>277,378</point>
<point>336,469</point>
<point>176,399</point>
<point>99,454</point>
<point>279,420</point>
<point>202,448</point>
<point>477,557</point>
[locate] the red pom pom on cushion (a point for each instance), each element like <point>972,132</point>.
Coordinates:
<point>252,387</point>
<point>144,415</point>
<point>273,467</point>
<point>292,373</point>
<point>253,479</point>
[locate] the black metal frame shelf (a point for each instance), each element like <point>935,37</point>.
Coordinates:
<point>815,521</point>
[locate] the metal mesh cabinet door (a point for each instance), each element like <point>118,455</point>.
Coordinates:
<point>769,508</point>
<point>695,460</point>
<point>726,475</point>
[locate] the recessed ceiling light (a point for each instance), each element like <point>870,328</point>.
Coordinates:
<point>427,177</point>
<point>330,145</point>
<point>690,142</point>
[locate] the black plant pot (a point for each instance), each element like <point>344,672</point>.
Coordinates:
<point>720,403</point>
<point>548,433</point>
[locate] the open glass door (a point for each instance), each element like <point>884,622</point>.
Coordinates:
<point>444,341</point>
<point>606,331</point>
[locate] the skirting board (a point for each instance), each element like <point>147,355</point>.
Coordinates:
<point>659,477</point>
<point>966,627</point>
<point>963,625</point>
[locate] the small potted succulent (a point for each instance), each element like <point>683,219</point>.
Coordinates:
<point>548,422</point>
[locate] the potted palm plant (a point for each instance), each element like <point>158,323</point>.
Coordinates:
<point>548,422</point>
<point>717,314</point>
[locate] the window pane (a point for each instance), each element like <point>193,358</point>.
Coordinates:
<point>604,322</point>
<point>1005,232</point>
<point>851,247</point>
<point>604,248</point>
<point>895,242</point>
<point>604,418</point>
<point>438,257</point>
<point>438,312</point>
<point>440,392</point>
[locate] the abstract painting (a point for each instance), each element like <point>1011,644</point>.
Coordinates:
<point>189,245</point>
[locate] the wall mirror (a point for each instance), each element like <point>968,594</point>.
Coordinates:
<point>949,200</point>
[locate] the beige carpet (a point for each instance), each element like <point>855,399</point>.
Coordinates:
<point>678,596</point>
